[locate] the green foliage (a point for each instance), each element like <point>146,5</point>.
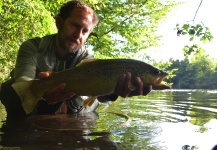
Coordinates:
<point>125,27</point>
<point>194,32</point>
<point>20,20</point>
<point>128,29</point>
<point>188,50</point>
<point>200,73</point>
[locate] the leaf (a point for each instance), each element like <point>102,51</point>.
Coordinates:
<point>191,32</point>
<point>192,38</point>
<point>185,26</point>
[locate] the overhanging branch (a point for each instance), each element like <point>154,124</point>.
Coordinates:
<point>197,11</point>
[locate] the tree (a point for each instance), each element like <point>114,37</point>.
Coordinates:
<point>181,79</point>
<point>205,70</point>
<point>20,20</point>
<point>194,32</point>
<point>129,29</point>
<point>197,73</point>
<point>125,27</point>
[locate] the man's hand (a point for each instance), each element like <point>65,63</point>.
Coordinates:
<point>57,93</point>
<point>122,88</point>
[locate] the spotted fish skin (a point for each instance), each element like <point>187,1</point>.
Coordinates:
<point>99,77</point>
<point>92,77</point>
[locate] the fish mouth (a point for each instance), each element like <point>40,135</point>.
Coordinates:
<point>160,86</point>
<point>160,79</point>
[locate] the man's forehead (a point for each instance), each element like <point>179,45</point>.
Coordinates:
<point>81,16</point>
<point>82,13</point>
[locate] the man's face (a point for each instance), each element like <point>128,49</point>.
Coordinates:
<point>74,30</point>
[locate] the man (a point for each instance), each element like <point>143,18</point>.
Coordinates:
<point>38,56</point>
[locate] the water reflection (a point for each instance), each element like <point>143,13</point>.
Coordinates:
<point>172,119</point>
<point>54,132</point>
<point>163,120</point>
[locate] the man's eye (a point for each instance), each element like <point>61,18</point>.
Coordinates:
<point>85,31</point>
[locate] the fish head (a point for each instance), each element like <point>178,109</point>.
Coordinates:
<point>154,76</point>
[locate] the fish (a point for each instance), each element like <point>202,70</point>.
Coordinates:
<point>91,77</point>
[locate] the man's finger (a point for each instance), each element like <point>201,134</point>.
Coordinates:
<point>66,96</point>
<point>139,88</point>
<point>54,93</point>
<point>62,97</point>
<point>119,85</point>
<point>58,89</point>
<point>147,89</point>
<point>126,90</point>
<point>44,75</point>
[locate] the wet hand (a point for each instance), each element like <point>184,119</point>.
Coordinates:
<point>57,93</point>
<point>44,75</point>
<point>122,88</point>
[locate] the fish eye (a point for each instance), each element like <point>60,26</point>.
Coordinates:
<point>157,72</point>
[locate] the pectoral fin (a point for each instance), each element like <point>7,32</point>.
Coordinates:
<point>89,101</point>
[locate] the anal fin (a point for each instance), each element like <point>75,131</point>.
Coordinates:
<point>89,101</point>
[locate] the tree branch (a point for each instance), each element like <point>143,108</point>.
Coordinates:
<point>197,11</point>
<point>122,21</point>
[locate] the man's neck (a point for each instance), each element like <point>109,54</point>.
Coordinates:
<point>60,53</point>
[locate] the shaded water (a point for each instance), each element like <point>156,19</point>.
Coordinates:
<point>171,119</point>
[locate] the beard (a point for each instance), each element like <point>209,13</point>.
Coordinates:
<point>68,44</point>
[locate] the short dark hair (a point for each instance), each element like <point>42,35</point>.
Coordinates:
<point>68,7</point>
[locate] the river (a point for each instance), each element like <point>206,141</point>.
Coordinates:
<point>162,120</point>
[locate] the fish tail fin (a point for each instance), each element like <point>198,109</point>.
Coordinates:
<point>89,101</point>
<point>28,100</point>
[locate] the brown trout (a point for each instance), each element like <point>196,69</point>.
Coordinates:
<point>92,78</point>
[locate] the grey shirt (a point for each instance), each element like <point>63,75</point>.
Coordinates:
<point>39,54</point>
<point>36,55</point>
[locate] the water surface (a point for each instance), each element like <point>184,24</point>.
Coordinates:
<point>163,120</point>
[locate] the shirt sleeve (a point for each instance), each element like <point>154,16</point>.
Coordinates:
<point>25,68</point>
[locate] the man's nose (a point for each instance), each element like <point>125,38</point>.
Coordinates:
<point>78,34</point>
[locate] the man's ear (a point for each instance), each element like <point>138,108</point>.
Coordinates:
<point>59,22</point>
